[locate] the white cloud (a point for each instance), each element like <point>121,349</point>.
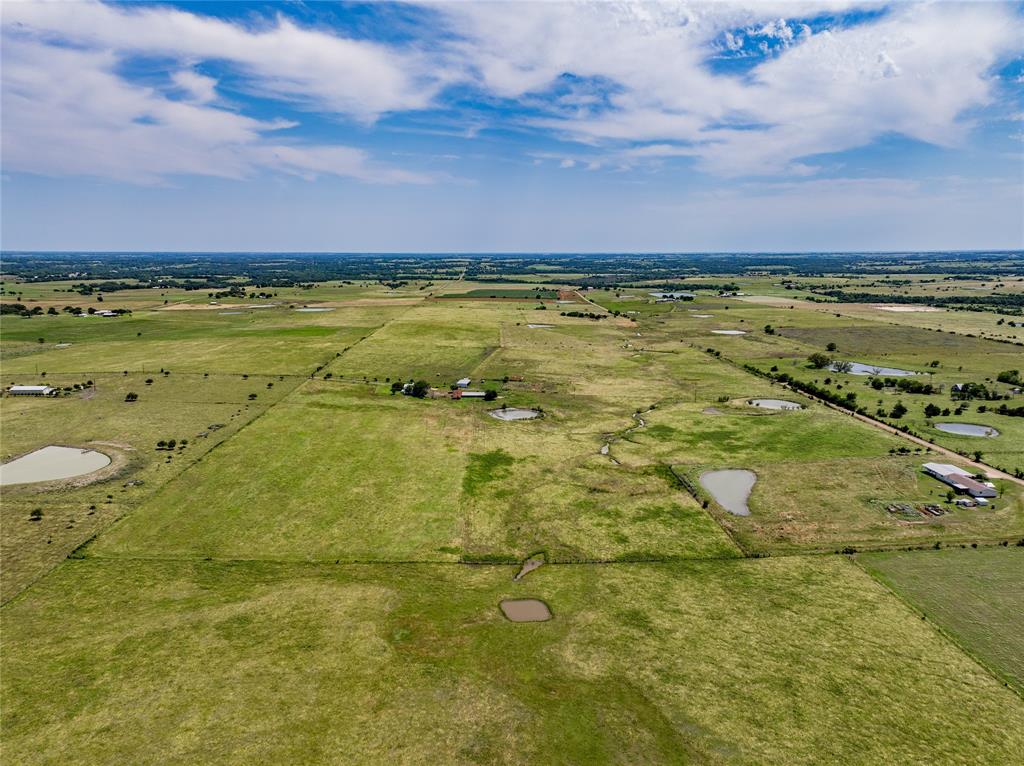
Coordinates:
<point>916,70</point>
<point>199,87</point>
<point>67,113</point>
<point>311,66</point>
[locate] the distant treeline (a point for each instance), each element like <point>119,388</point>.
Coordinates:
<point>1001,302</point>
<point>211,271</point>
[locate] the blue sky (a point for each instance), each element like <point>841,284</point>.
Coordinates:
<point>540,126</point>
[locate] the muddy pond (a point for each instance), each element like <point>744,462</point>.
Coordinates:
<point>525,610</point>
<point>52,463</point>
<point>967,429</point>
<point>514,413</point>
<point>774,404</point>
<point>856,368</point>
<point>730,488</point>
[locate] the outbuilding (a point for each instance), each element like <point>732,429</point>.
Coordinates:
<point>31,390</point>
<point>959,479</point>
<point>463,382</point>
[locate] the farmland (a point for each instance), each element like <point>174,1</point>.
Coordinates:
<point>280,524</point>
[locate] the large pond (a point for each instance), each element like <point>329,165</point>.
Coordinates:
<point>730,488</point>
<point>774,404</point>
<point>967,429</point>
<point>52,463</point>
<point>514,413</point>
<point>856,368</point>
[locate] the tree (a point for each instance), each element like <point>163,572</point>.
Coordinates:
<point>931,410</point>
<point>490,395</point>
<point>842,366</point>
<point>831,347</point>
<point>420,389</point>
<point>769,330</point>
<point>131,396</point>
<point>171,443</point>
<point>898,411</point>
<point>819,361</point>
<point>396,386</point>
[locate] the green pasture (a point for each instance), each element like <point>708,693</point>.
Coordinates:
<point>267,341</point>
<point>975,595</point>
<point>177,406</point>
<point>745,662</point>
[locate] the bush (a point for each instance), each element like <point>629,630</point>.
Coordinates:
<point>819,361</point>
<point>131,396</point>
<point>490,395</point>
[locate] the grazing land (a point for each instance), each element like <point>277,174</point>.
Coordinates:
<point>705,662</point>
<point>301,543</point>
<point>974,595</point>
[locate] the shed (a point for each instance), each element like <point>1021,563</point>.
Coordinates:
<point>463,382</point>
<point>30,390</point>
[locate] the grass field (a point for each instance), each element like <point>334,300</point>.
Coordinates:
<point>738,662</point>
<point>317,578</point>
<point>341,472</point>
<point>257,341</point>
<point>179,407</point>
<point>977,596</point>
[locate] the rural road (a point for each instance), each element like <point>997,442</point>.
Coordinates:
<point>986,469</point>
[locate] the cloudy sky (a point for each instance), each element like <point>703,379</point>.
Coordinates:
<point>512,126</point>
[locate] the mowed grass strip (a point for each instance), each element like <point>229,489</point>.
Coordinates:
<point>328,473</point>
<point>747,662</point>
<point>975,595</point>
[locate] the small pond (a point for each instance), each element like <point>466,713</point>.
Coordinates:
<point>514,413</point>
<point>525,610</point>
<point>729,332</point>
<point>52,463</point>
<point>730,488</point>
<point>967,429</point>
<point>774,404</point>
<point>856,368</point>
<point>313,309</point>
<point>540,326</point>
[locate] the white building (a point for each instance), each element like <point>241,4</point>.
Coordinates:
<point>30,390</point>
<point>463,382</point>
<point>959,479</point>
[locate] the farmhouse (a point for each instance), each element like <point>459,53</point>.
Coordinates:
<point>959,480</point>
<point>460,393</point>
<point>31,390</point>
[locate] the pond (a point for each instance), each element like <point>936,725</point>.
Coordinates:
<point>856,368</point>
<point>967,429</point>
<point>313,309</point>
<point>730,488</point>
<point>729,332</point>
<point>514,413</point>
<point>51,463</point>
<point>774,404</point>
<point>525,610</point>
